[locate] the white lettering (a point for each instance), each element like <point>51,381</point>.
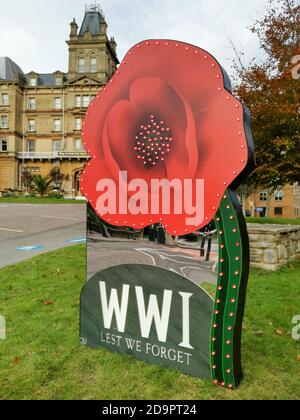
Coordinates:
<point>186,320</point>
<point>153,313</point>
<point>113,307</point>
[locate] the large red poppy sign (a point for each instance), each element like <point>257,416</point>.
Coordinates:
<point>169,144</point>
<point>166,137</point>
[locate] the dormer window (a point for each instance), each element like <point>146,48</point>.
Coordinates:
<point>33,81</point>
<point>58,80</point>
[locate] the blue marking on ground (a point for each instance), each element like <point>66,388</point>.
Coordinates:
<point>30,248</point>
<point>76,241</point>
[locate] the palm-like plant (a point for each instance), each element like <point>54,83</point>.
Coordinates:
<point>43,184</point>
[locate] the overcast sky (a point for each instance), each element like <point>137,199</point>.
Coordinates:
<point>33,32</point>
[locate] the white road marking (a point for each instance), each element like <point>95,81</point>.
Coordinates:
<point>183,269</point>
<point>148,255</point>
<point>61,218</point>
<point>164,256</point>
<point>146,250</point>
<point>3,207</point>
<point>12,230</point>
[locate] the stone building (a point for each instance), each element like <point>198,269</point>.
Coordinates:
<point>41,114</point>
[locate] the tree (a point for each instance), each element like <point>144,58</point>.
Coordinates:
<point>27,181</point>
<point>43,184</point>
<point>57,178</point>
<point>272,92</point>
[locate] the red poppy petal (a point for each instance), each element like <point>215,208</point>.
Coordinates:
<point>225,146</point>
<point>119,142</point>
<point>152,95</point>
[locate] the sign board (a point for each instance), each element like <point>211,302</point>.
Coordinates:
<point>72,154</point>
<point>169,145</point>
<point>151,313</point>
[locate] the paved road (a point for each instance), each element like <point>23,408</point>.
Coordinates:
<point>28,230</point>
<point>103,253</point>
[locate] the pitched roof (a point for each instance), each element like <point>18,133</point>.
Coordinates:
<point>44,79</point>
<point>8,69</point>
<point>91,23</point>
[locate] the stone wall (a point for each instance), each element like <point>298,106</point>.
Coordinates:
<point>272,246</point>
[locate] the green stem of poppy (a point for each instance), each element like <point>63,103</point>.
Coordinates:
<point>233,271</point>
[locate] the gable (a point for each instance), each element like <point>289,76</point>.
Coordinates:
<point>84,80</point>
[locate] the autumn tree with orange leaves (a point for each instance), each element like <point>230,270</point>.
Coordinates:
<point>271,90</point>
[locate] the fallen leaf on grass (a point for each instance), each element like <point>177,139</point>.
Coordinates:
<point>48,302</point>
<point>279,331</point>
<point>298,358</point>
<point>17,360</point>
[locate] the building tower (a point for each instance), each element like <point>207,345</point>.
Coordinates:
<point>41,114</point>
<point>90,50</point>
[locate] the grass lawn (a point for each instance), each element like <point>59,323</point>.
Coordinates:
<point>42,359</point>
<point>37,200</point>
<point>273,220</point>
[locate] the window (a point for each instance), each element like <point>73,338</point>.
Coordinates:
<point>78,101</point>
<point>57,103</point>
<point>57,145</point>
<point>33,81</point>
<point>78,145</point>
<point>58,81</point>
<point>4,121</point>
<point>278,211</point>
<point>57,125</point>
<point>31,126</point>
<point>5,99</point>
<point>31,103</point>
<point>263,196</point>
<point>3,145</point>
<point>279,196</point>
<point>93,65</point>
<point>31,146</point>
<point>85,101</point>
<point>81,65</point>
<point>78,124</point>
